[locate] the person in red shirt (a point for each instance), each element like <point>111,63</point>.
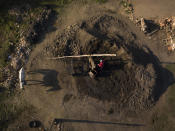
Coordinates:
<point>97,68</point>
<point>101,64</point>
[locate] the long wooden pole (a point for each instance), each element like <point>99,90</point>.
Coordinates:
<point>78,56</point>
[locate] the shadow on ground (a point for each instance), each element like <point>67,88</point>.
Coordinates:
<point>115,75</point>
<point>58,121</point>
<point>152,26</point>
<point>49,79</point>
<point>164,78</point>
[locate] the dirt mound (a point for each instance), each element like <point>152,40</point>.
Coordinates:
<point>130,80</point>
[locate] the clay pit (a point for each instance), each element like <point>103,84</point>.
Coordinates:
<point>133,79</point>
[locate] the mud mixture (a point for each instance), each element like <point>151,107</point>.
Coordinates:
<point>130,80</point>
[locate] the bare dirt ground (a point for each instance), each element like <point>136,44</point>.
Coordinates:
<point>56,90</point>
<point>153,9</point>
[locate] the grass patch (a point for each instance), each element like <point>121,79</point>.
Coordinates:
<point>4,94</point>
<point>7,4</point>
<point>6,109</point>
<point>9,111</point>
<point>11,28</point>
<point>10,32</point>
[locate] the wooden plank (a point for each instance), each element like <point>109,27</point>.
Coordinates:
<point>78,56</point>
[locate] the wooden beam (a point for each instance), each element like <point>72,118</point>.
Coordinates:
<point>78,56</point>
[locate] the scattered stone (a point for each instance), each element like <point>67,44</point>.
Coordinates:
<point>168,22</point>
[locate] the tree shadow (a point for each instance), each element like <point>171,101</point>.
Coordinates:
<point>49,79</point>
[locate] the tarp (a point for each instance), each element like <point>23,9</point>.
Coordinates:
<point>21,77</point>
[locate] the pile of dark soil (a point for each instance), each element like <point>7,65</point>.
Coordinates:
<point>133,79</point>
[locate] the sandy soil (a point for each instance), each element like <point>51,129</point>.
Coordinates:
<point>52,89</point>
<point>154,8</point>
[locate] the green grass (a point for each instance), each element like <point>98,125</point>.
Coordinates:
<point>9,33</point>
